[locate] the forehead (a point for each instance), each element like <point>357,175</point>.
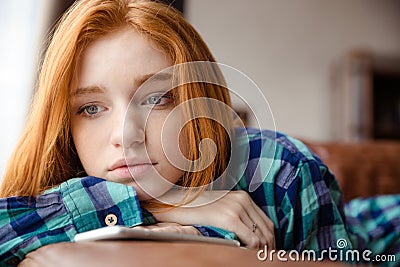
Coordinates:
<point>122,52</point>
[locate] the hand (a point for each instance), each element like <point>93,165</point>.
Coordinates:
<point>234,211</point>
<point>171,228</point>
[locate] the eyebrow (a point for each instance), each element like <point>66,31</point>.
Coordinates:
<point>163,76</point>
<point>87,90</point>
<point>93,89</point>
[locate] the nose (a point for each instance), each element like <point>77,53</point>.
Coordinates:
<point>127,130</point>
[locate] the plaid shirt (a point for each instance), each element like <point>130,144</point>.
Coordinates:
<point>294,188</point>
<point>76,206</point>
<point>374,225</point>
<point>290,184</point>
<point>302,197</point>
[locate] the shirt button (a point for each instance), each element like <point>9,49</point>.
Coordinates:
<point>111,219</point>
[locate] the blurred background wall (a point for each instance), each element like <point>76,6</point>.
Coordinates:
<point>24,27</point>
<point>22,30</point>
<point>288,48</point>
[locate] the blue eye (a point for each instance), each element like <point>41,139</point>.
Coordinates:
<point>154,100</point>
<point>91,110</point>
<point>158,100</point>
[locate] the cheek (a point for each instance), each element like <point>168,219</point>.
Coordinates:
<point>81,147</point>
<point>87,144</point>
<point>165,137</point>
<point>153,134</point>
<point>164,141</point>
<point>79,135</point>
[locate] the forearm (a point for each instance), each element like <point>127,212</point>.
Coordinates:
<point>177,204</point>
<point>75,206</point>
<point>232,211</point>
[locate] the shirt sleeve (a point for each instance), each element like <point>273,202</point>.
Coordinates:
<point>75,206</point>
<point>374,225</point>
<point>305,206</point>
<point>315,217</point>
<point>297,192</point>
<point>212,231</point>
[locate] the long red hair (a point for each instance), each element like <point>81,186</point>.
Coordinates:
<point>45,155</point>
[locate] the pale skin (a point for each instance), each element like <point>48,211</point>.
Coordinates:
<point>110,72</point>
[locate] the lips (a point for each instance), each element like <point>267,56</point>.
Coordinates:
<point>130,168</point>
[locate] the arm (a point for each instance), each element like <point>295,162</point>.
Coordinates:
<point>75,206</point>
<point>225,214</point>
<point>306,209</point>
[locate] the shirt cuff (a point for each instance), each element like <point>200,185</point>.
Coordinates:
<point>212,231</point>
<point>93,203</point>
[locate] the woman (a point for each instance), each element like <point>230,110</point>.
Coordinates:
<point>101,54</point>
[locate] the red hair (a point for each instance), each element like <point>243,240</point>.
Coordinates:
<point>45,155</point>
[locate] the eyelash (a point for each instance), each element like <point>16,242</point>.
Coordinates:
<point>83,110</point>
<point>167,97</point>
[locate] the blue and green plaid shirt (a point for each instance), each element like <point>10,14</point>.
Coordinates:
<point>294,188</point>
<point>283,177</point>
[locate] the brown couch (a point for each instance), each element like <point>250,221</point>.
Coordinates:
<point>362,169</point>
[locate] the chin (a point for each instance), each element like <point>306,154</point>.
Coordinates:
<point>144,195</point>
<point>125,181</point>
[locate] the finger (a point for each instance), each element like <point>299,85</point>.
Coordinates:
<point>155,226</point>
<point>246,235</point>
<point>253,215</point>
<point>256,224</point>
<point>266,226</point>
<point>247,217</point>
<point>171,228</point>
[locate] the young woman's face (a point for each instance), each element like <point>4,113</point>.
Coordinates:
<point>110,72</point>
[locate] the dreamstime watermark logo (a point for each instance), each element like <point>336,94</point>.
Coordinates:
<point>341,253</point>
